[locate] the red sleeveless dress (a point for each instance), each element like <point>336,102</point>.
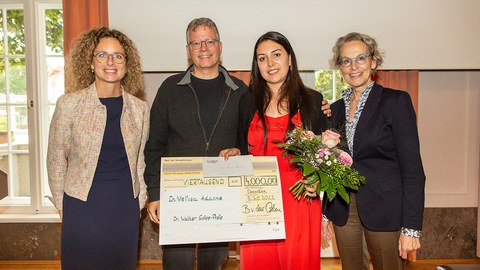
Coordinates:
<point>301,248</point>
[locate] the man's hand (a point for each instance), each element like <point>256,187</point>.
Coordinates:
<point>153,210</point>
<point>326,108</point>
<point>407,244</point>
<point>229,152</point>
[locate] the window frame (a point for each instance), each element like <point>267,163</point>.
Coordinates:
<point>36,208</point>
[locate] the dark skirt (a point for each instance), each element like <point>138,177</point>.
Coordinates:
<point>102,233</point>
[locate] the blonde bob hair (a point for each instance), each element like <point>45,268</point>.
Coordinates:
<point>371,43</point>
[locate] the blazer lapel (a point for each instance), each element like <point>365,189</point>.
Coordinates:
<point>368,112</point>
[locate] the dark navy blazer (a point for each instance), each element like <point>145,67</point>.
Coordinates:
<point>386,151</point>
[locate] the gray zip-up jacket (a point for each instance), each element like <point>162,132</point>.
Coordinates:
<point>176,129</point>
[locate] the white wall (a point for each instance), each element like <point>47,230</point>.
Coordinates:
<point>425,34</point>
<point>152,82</point>
<point>449,117</point>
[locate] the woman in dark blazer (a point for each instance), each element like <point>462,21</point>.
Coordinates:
<point>379,127</point>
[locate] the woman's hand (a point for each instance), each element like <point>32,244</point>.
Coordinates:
<point>327,232</point>
<point>407,244</point>
<point>229,152</point>
<point>310,189</point>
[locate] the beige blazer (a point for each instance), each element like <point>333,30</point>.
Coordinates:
<point>75,139</point>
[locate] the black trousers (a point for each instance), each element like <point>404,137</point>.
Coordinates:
<point>210,256</point>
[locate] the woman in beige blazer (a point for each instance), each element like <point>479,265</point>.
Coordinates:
<point>95,152</point>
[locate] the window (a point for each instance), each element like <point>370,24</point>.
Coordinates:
<point>31,80</point>
<point>330,83</point>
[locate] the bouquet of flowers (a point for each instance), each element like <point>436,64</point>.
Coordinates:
<point>320,160</point>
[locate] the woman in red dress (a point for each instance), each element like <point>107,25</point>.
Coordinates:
<point>277,102</point>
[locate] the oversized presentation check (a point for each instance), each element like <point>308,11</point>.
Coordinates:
<point>208,199</point>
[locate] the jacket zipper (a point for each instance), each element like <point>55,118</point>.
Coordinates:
<point>221,114</point>
<point>200,119</point>
<point>207,141</point>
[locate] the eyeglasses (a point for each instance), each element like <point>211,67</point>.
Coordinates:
<point>197,44</point>
<point>102,57</point>
<point>360,59</point>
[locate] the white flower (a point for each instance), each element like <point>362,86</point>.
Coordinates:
<point>329,163</point>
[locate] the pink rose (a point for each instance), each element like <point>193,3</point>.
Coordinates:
<point>330,138</point>
<point>307,135</point>
<point>346,159</point>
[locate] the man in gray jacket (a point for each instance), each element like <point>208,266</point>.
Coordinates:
<point>194,113</point>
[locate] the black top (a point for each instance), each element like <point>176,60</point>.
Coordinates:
<point>113,157</point>
<point>209,94</point>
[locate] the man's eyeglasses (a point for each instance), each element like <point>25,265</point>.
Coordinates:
<point>102,57</point>
<point>360,59</point>
<point>197,44</point>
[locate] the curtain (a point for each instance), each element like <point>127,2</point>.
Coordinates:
<point>81,15</point>
<point>242,75</point>
<point>406,80</point>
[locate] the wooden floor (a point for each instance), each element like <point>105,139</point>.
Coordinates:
<point>230,264</point>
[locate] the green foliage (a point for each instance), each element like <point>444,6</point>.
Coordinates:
<point>3,123</point>
<point>2,52</point>
<point>54,29</point>
<point>324,83</point>
<point>16,45</point>
<point>18,76</point>
<point>15,31</point>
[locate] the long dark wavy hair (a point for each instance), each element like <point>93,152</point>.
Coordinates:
<point>292,90</point>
